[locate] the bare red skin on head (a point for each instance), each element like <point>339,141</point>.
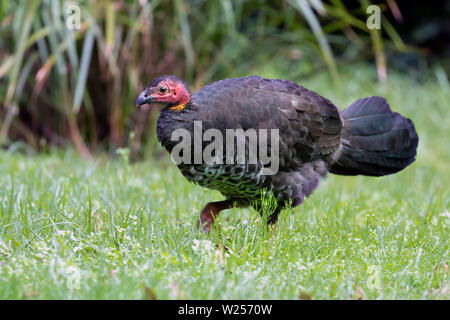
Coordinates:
<point>176,93</point>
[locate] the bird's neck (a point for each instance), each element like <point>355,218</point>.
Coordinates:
<point>184,99</point>
<point>173,118</point>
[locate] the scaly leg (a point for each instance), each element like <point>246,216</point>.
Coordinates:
<point>211,211</point>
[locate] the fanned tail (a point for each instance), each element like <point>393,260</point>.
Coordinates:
<point>376,140</point>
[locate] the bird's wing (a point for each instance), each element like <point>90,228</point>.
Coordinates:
<point>309,125</point>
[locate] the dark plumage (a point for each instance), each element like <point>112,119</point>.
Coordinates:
<point>314,137</point>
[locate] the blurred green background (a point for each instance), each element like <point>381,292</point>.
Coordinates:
<point>77,87</point>
<point>67,97</point>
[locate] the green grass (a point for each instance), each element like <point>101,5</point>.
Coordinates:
<point>129,231</point>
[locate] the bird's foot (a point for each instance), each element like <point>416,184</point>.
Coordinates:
<point>207,217</point>
<point>210,213</point>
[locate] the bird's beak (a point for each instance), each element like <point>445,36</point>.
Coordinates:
<point>144,98</point>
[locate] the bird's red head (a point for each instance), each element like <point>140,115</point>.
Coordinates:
<point>167,90</point>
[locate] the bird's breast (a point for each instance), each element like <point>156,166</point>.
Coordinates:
<point>236,181</point>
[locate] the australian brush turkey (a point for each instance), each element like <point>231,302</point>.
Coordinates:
<point>313,138</point>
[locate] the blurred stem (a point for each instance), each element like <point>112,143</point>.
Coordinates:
<point>377,47</point>
<point>305,9</point>
<point>181,9</point>
<point>380,58</point>
<point>19,53</point>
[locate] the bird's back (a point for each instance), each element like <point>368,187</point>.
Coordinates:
<point>309,125</point>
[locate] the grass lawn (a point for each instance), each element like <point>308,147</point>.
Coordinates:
<point>104,229</point>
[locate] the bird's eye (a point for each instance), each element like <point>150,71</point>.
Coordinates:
<point>162,89</point>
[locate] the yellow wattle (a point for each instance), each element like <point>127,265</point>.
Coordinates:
<point>179,107</point>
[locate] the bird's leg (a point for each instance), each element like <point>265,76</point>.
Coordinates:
<point>273,218</point>
<point>211,211</point>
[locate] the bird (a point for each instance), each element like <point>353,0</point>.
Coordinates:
<point>314,138</point>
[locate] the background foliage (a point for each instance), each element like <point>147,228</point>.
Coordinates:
<point>128,231</point>
<point>60,86</point>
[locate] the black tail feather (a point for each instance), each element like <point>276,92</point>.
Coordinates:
<point>376,140</point>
